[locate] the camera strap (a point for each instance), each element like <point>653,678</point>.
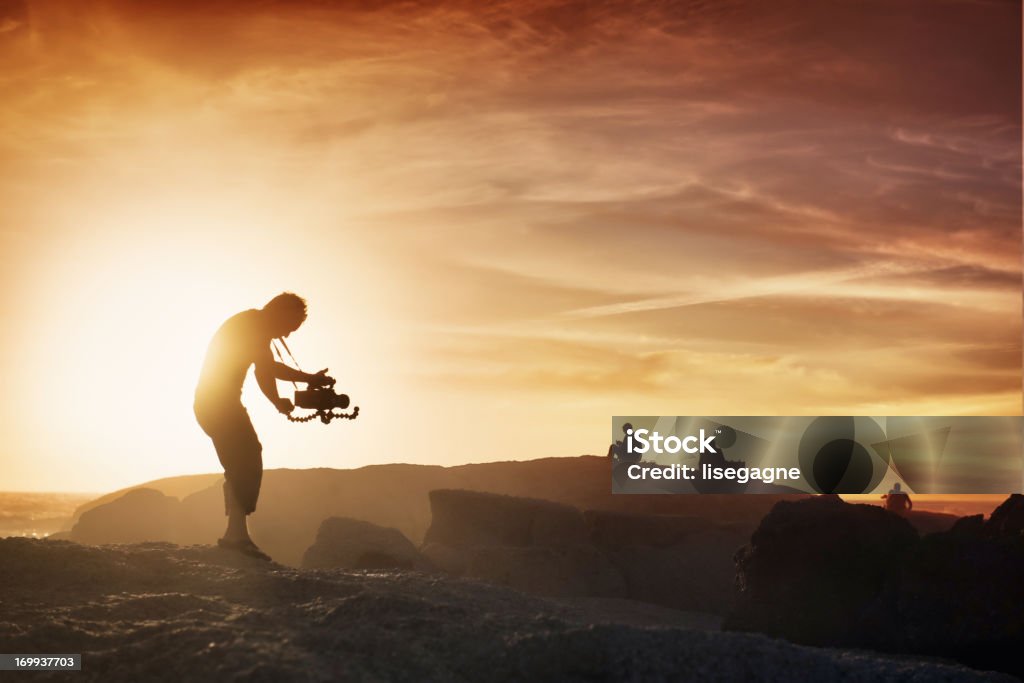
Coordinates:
<point>283,343</point>
<point>277,352</point>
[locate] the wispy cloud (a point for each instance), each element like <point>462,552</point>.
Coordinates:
<point>578,199</point>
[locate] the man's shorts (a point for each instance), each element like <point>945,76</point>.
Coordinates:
<point>238,448</point>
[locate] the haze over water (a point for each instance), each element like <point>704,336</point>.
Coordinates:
<point>37,514</point>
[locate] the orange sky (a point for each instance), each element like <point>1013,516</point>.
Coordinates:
<point>512,220</point>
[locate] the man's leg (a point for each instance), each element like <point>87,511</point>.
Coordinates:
<point>238,529</point>
<point>241,454</point>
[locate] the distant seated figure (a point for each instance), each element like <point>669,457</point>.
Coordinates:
<point>897,500</point>
<point>620,449</point>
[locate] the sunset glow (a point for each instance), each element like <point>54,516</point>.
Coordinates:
<point>509,224</point>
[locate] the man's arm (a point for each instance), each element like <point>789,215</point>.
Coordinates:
<point>268,371</point>
<point>289,374</point>
<point>266,378</point>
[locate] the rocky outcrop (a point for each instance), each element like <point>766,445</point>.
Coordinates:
<point>469,518</point>
<point>825,572</point>
<point>156,612</point>
<point>681,562</point>
<point>617,530</point>
<point>355,544</point>
<point>930,522</point>
<point>293,503</point>
<point>960,593</point>
<point>1008,519</point>
<point>813,568</point>
<point>532,545</point>
<point>550,549</point>
<point>139,515</point>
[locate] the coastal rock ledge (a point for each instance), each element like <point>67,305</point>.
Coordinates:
<point>197,613</point>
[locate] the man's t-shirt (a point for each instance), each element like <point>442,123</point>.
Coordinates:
<point>239,342</point>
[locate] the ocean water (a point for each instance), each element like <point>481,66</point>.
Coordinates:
<point>37,515</point>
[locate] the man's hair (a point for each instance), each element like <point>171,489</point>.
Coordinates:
<point>287,304</point>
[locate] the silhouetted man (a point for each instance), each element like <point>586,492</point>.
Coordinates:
<point>243,340</point>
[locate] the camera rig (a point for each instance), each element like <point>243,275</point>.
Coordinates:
<point>326,404</point>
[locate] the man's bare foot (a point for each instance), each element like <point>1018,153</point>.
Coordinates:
<point>244,546</point>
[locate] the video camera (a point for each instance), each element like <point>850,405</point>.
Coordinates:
<point>321,398</point>
<point>327,404</point>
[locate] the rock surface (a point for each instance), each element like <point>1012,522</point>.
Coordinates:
<point>355,544</point>
<point>572,571</point>
<point>160,612</point>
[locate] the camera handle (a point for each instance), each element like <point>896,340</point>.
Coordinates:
<point>325,416</point>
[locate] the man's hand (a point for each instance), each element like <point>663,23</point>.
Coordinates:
<point>284,406</point>
<point>320,379</point>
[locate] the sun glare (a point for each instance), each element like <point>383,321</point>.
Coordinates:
<point>128,311</point>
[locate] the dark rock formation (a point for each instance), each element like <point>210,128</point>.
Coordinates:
<point>550,549</point>
<point>681,562</point>
<point>464,518</point>
<point>828,573</point>
<point>617,530</point>
<point>532,545</point>
<point>355,544</point>
<point>961,593</point>
<point>1007,519</point>
<point>813,568</point>
<point>930,522</point>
